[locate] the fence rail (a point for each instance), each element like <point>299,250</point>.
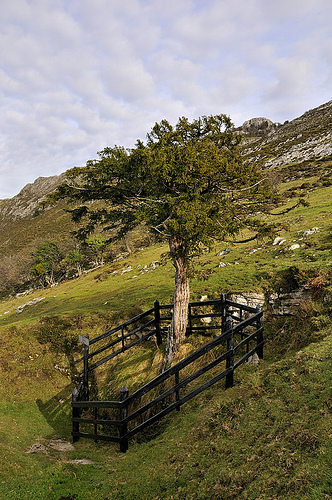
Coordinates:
<point>118,421</point>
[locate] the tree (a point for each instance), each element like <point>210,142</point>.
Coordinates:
<point>97,244</point>
<point>46,260</point>
<point>75,259</point>
<point>188,183</point>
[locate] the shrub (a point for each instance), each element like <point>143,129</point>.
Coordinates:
<point>58,332</point>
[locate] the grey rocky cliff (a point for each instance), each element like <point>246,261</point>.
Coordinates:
<point>304,138</point>
<point>258,126</point>
<point>27,201</point>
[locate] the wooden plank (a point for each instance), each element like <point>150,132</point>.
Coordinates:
<point>237,306</point>
<point>173,406</point>
<point>178,366</point>
<point>213,302</point>
<point>105,334</point>
<point>101,349</point>
<point>166,306</point>
<point>246,322</point>
<point>96,404</point>
<point>192,357</point>
<point>97,421</point>
<point>207,315</point>
<point>246,340</point>
<point>124,325</point>
<point>207,327</point>
<point>119,351</point>
<point>140,328</point>
<point>177,387</point>
<point>108,358</point>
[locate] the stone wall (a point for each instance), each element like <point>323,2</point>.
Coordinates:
<point>279,304</point>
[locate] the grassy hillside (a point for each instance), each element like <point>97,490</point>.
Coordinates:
<point>268,437</point>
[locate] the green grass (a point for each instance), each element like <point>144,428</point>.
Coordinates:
<point>266,438</point>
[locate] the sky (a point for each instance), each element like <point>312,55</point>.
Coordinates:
<point>77,76</point>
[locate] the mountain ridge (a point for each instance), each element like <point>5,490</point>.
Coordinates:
<point>264,142</point>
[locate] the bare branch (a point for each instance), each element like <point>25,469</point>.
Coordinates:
<point>288,209</point>
<point>243,189</point>
<point>243,241</point>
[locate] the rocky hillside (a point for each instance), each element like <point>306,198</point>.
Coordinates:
<point>302,139</point>
<point>299,149</point>
<point>26,203</point>
<point>270,144</point>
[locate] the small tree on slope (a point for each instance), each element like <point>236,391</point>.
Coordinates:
<point>188,183</point>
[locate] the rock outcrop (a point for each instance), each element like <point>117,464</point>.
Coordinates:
<point>27,201</point>
<point>301,139</point>
<point>258,126</point>
<point>279,304</point>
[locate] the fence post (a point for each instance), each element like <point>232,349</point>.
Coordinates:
<point>157,321</point>
<point>86,368</point>
<point>260,338</point>
<point>230,356</point>
<point>123,415</point>
<point>223,312</point>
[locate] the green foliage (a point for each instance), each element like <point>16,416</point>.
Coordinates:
<point>97,244</point>
<point>187,182</point>
<point>46,260</point>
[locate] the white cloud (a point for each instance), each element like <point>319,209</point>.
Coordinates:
<point>76,76</point>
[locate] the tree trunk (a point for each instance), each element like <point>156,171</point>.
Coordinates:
<point>177,331</point>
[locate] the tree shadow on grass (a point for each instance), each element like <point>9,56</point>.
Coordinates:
<point>57,411</point>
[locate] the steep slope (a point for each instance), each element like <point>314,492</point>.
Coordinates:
<point>304,138</point>
<point>26,203</point>
<point>301,148</point>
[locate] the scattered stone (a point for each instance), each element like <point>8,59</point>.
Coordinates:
<point>278,241</point>
<point>222,264</point>
<point>60,445</point>
<point>294,247</point>
<point>154,265</point>
<point>223,252</point>
<point>255,250</point>
<point>37,448</point>
<point>30,303</point>
<point>46,446</point>
<point>254,359</point>
<point>311,231</point>
<point>80,461</point>
<point>126,269</point>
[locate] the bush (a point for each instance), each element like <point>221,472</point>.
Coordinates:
<point>58,332</point>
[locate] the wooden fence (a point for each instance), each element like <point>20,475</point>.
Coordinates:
<point>239,335</point>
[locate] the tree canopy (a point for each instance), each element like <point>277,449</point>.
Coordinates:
<point>188,183</point>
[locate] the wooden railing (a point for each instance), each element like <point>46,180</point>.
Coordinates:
<point>118,421</point>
